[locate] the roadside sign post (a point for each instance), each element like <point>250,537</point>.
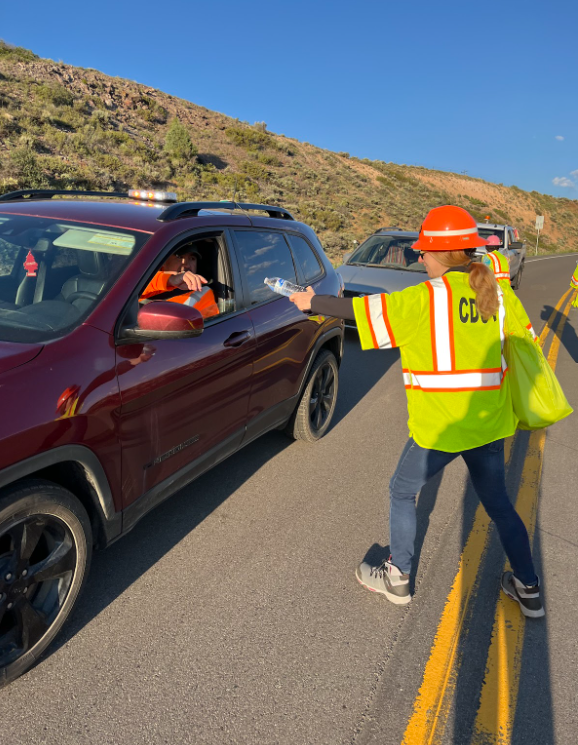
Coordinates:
<point>539,226</point>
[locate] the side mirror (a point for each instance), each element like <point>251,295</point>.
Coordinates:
<point>164,320</point>
<point>347,256</point>
<point>517,245</point>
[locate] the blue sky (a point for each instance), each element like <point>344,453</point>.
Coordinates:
<point>490,89</point>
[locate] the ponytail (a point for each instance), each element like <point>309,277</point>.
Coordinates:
<point>482,280</point>
<point>483,283</point>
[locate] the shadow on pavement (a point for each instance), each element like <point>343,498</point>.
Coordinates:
<point>532,719</point>
<point>119,566</point>
<point>359,373</point>
<point>569,338</point>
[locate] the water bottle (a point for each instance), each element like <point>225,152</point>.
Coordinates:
<point>282,286</point>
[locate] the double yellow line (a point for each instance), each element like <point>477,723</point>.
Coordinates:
<point>495,716</point>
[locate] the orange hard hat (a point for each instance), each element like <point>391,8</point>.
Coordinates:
<point>448,228</point>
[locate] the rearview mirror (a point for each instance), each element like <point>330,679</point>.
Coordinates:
<point>164,320</point>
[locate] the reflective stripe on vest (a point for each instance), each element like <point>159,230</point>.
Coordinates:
<point>195,297</point>
<point>444,376</point>
<point>498,262</point>
<point>484,380</point>
<point>379,326</point>
<point>203,300</point>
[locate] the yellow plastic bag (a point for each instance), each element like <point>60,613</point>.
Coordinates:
<point>537,396</point>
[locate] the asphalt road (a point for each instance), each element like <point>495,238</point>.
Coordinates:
<point>232,615</point>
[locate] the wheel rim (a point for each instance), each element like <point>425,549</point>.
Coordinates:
<point>322,397</point>
<point>37,563</point>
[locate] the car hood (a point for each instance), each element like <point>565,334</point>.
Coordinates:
<point>371,280</point>
<point>13,355</point>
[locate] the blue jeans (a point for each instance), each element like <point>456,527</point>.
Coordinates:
<point>487,471</point>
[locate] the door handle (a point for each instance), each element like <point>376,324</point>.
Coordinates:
<point>236,339</point>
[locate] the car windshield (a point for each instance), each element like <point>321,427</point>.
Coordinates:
<point>53,273</point>
<point>391,252</point>
<point>485,233</point>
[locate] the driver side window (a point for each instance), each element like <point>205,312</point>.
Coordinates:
<point>197,274</point>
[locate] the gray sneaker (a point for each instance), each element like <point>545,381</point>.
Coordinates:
<point>528,596</point>
<point>386,579</point>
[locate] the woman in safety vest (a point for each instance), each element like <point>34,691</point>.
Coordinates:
<point>574,285</point>
<point>496,261</point>
<point>450,330</point>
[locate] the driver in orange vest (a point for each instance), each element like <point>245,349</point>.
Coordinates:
<point>179,278</point>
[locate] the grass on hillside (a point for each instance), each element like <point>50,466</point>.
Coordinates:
<point>71,128</point>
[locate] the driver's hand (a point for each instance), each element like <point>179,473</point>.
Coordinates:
<point>187,281</point>
<point>303,299</point>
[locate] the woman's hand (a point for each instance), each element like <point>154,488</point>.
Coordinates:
<point>303,299</point>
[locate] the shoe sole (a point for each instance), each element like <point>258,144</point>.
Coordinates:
<point>395,599</point>
<point>526,611</point>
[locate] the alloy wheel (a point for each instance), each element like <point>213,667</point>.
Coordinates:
<point>38,559</point>
<point>322,396</point>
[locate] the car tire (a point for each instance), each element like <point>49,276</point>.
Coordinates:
<point>45,552</point>
<point>316,406</point>
<point>515,283</point>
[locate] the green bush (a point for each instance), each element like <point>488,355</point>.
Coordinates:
<point>250,139</point>
<point>55,94</point>
<point>477,202</point>
<point>16,53</point>
<point>100,117</point>
<point>26,168</point>
<point>151,111</point>
<point>178,144</point>
<point>253,170</point>
<point>268,160</point>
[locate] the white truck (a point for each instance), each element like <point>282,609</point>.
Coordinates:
<point>510,246</point>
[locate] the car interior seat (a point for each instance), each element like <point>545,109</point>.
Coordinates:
<point>84,288</point>
<point>212,266</point>
<point>31,289</point>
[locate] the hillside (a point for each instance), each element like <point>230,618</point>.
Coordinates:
<point>69,127</point>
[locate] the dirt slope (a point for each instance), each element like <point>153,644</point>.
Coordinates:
<point>68,127</point>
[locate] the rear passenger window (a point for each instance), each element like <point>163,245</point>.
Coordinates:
<point>263,255</point>
<point>306,258</point>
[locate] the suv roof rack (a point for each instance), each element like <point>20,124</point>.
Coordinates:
<point>192,209</point>
<point>388,227</point>
<point>49,193</point>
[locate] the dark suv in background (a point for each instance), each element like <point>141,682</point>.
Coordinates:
<point>111,404</point>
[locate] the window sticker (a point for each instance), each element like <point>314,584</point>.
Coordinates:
<point>92,240</point>
<point>111,240</point>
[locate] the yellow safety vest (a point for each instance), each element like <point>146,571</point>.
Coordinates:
<point>574,280</point>
<point>454,372</point>
<point>499,264</point>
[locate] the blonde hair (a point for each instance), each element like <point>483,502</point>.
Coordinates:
<point>482,280</point>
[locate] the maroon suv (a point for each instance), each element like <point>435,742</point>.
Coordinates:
<point>110,404</point>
